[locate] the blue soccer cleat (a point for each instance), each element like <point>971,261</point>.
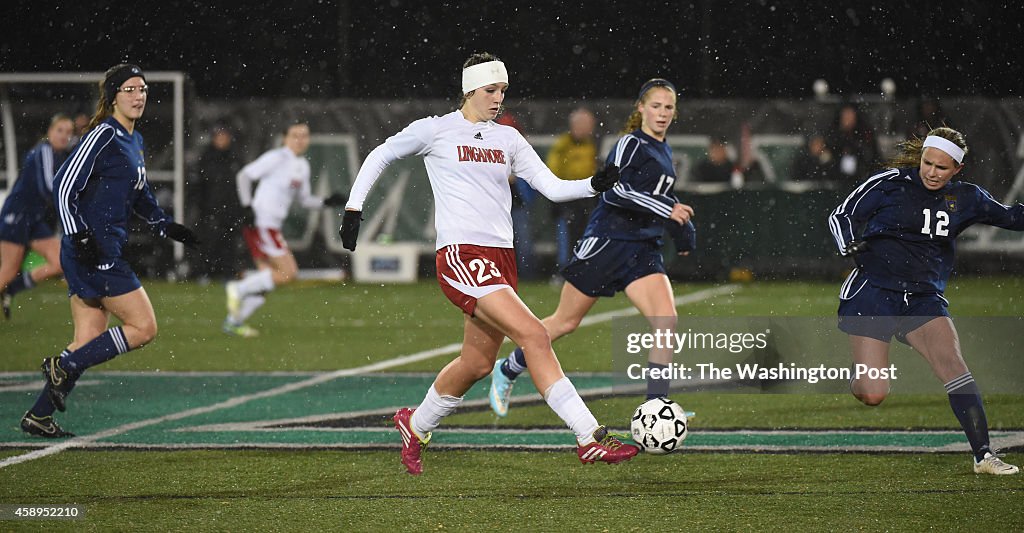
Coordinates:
<point>501,390</point>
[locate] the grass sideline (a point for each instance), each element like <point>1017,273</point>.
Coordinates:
<point>323,327</point>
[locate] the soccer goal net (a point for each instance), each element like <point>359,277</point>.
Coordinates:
<point>29,100</point>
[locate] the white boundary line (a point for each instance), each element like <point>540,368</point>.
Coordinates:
<point>316,380</point>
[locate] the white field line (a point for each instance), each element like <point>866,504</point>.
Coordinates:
<point>313,381</point>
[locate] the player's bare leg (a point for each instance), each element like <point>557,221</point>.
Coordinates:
<point>937,341</point>
<point>872,353</point>
<point>49,248</point>
<point>573,305</point>
<point>505,312</point>
<point>283,268</point>
<point>652,296</point>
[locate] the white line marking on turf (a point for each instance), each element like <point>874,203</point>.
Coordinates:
<point>316,380</point>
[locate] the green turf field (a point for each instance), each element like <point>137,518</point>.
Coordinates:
<point>290,431</point>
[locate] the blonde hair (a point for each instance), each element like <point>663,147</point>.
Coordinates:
<point>635,119</point>
<point>910,150</point>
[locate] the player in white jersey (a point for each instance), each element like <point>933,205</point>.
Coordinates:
<point>469,159</point>
<point>282,175</point>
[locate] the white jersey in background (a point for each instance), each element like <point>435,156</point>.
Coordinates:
<point>469,164</point>
<point>282,176</point>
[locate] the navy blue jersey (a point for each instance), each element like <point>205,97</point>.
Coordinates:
<point>30,196</point>
<point>102,183</point>
<point>636,208</point>
<point>910,230</point>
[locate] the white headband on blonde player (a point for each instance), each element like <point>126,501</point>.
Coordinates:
<point>483,74</point>
<point>945,145</point>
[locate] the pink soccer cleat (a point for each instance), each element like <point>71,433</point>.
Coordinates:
<point>606,448</point>
<point>412,445</point>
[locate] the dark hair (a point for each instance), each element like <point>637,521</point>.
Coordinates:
<point>292,124</point>
<point>635,119</point>
<point>475,59</point>
<point>910,150</point>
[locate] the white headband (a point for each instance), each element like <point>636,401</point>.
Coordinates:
<point>482,74</point>
<point>945,145</point>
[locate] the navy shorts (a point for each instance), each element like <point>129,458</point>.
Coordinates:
<point>601,267</point>
<point>114,277</point>
<point>867,310</point>
<point>22,229</point>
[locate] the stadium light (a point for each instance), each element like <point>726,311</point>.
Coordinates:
<point>820,88</point>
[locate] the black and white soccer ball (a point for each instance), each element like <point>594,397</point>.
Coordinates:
<point>659,426</point>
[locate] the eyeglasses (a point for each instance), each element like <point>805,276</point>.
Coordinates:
<point>144,89</point>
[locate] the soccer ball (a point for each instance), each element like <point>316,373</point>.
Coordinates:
<point>659,426</point>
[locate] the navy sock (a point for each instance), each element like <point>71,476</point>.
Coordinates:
<point>657,388</point>
<point>514,364</point>
<point>965,399</point>
<point>108,345</point>
<point>19,283</point>
<point>43,406</point>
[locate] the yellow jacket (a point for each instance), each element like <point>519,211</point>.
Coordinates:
<point>572,160</point>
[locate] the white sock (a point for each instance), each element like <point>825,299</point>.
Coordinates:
<point>429,414</point>
<point>249,306</point>
<point>262,281</point>
<point>567,404</point>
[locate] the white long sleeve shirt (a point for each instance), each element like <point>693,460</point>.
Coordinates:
<point>282,177</point>
<point>468,164</point>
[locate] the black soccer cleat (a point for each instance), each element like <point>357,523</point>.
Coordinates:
<point>58,380</point>
<point>6,300</point>
<point>43,426</point>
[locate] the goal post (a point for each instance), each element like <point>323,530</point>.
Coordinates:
<point>28,99</point>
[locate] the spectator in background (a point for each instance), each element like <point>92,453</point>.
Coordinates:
<point>573,156</point>
<point>853,142</point>
<point>213,199</point>
<point>816,162</point>
<point>717,167</point>
<point>929,115</point>
<point>80,123</point>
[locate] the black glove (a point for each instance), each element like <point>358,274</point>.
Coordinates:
<point>855,247</point>
<point>86,249</point>
<point>181,234</point>
<point>605,178</point>
<point>336,199</point>
<point>349,229</point>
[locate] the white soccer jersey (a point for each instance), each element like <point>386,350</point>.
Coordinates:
<point>469,164</point>
<point>282,176</point>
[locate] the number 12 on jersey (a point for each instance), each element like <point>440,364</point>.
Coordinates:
<point>941,223</point>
